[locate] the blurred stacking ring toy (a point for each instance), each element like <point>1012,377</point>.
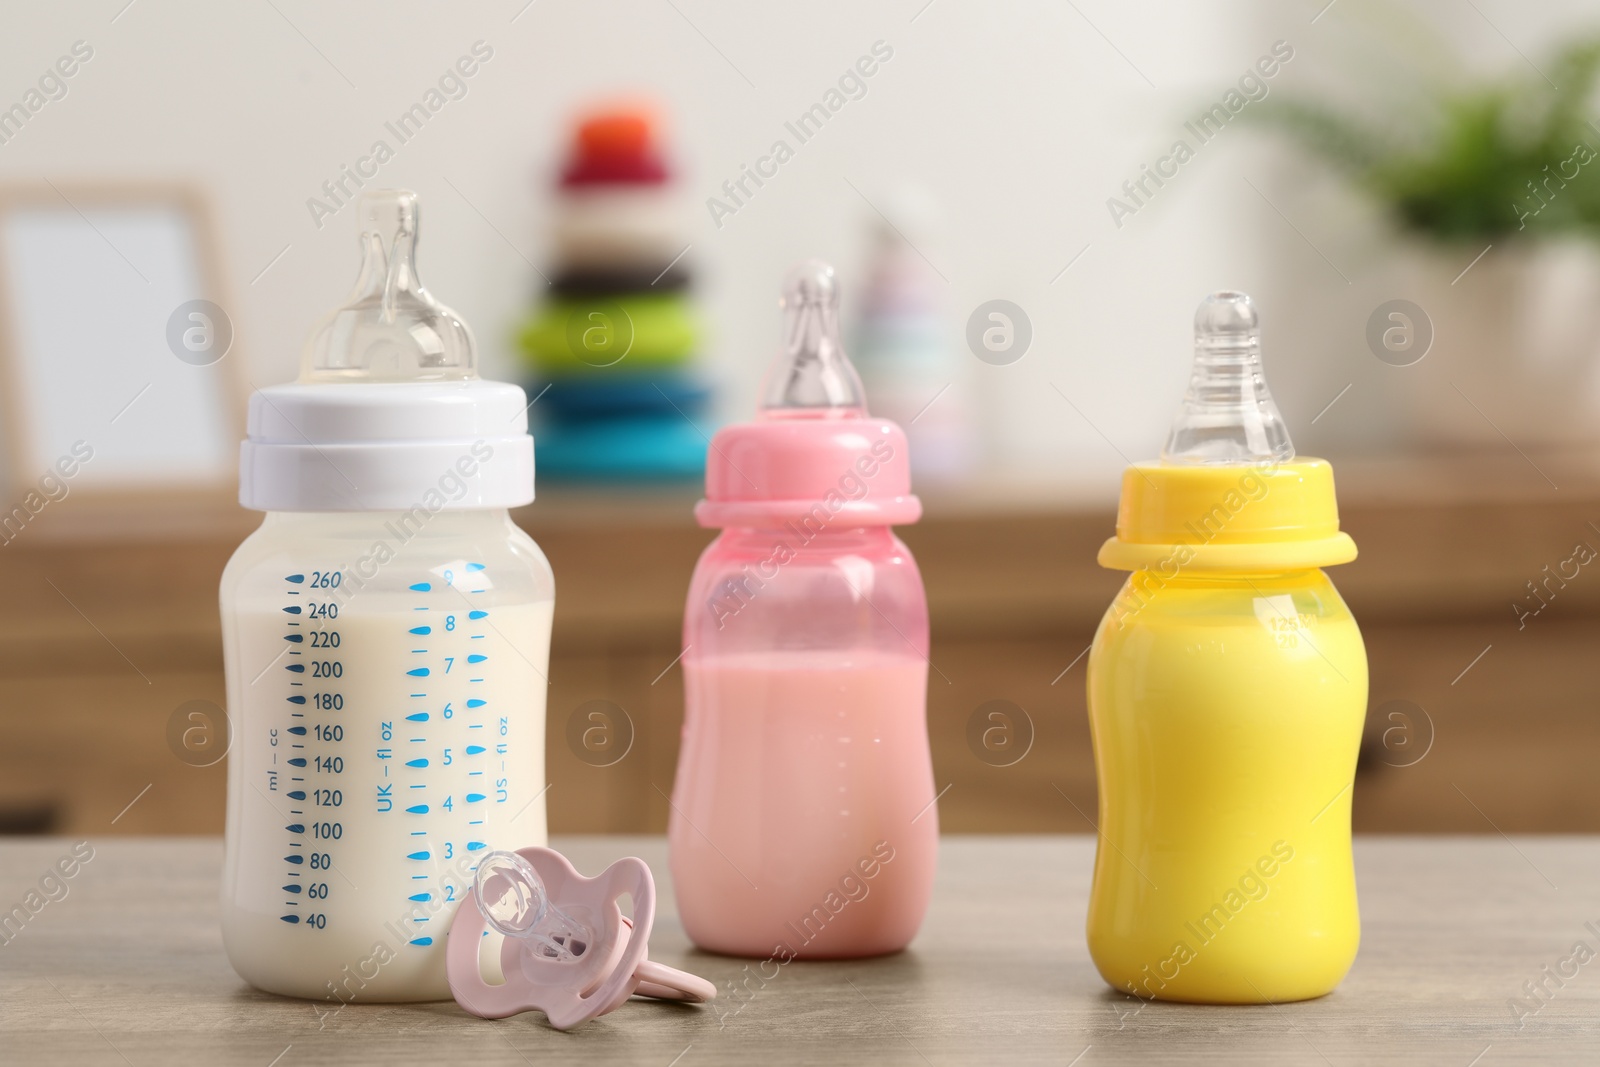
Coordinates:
<point>612,345</point>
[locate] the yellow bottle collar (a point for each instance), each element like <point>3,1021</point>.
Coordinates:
<point>1267,516</point>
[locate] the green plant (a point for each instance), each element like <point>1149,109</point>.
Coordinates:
<point>1516,157</point>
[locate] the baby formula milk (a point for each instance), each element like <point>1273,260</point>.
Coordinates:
<point>790,724</point>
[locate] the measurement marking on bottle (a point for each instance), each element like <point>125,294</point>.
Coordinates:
<point>443,813</point>
<point>325,830</point>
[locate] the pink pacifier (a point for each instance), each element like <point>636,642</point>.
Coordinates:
<point>568,951</point>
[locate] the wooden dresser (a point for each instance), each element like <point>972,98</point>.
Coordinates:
<point>1478,721</point>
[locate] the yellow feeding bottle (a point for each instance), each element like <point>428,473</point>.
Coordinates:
<point>1227,688</point>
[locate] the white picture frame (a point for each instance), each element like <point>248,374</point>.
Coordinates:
<point>120,369</point>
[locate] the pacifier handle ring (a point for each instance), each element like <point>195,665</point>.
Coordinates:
<point>661,982</point>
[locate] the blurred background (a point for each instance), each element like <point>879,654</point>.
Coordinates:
<point>1025,203</point>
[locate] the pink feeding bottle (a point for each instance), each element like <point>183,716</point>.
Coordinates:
<point>803,822</point>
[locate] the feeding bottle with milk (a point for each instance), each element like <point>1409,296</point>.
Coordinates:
<point>803,821</point>
<point>386,637</point>
<point>1227,689</point>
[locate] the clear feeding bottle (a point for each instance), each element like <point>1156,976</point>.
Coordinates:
<point>1227,690</point>
<point>803,822</point>
<point>386,639</point>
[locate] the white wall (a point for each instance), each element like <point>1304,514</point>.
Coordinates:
<point>1021,118</point>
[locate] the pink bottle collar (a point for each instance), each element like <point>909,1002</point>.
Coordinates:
<point>852,471</point>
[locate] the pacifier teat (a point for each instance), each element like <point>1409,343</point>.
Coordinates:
<point>390,329</point>
<point>812,376</point>
<point>1228,415</point>
<point>513,899</point>
<point>568,950</point>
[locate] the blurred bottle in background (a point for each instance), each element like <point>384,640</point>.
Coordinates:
<point>904,348</point>
<point>612,345</point>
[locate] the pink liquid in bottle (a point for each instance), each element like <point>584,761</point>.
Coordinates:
<point>803,822</point>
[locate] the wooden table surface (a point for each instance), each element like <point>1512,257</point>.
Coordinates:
<point>128,969</point>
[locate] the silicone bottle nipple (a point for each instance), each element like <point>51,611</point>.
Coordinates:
<point>513,899</point>
<point>390,329</point>
<point>1228,416</point>
<point>812,376</point>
